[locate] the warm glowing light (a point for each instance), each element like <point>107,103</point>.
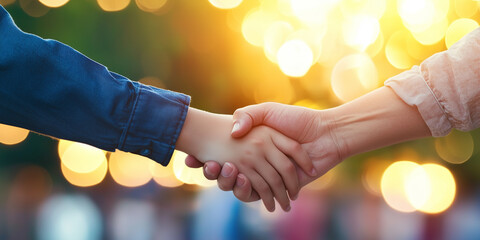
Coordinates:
<point>295,58</point>
<point>6,2</point>
<point>323,182</point>
<point>418,187</point>
<point>86,179</point>
<point>274,37</point>
<point>150,5</point>
<point>458,29</point>
<point>417,15</point>
<point>432,34</point>
<point>113,5</point>
<point>82,158</point>
<point>255,25</point>
<point>395,50</point>
<point>457,147</point>
<point>165,176</point>
<point>374,8</point>
<point>130,170</point>
<point>312,11</point>
<point>54,3</point>
<point>393,185</point>
<point>277,89</point>
<point>353,76</point>
<point>62,146</point>
<point>431,188</point>
<point>186,174</point>
<point>360,31</point>
<point>33,8</point>
<point>372,175</point>
<point>309,104</point>
<point>466,8</point>
<point>376,46</point>
<point>225,4</point>
<point>10,135</point>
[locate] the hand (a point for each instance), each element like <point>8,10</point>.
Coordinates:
<point>310,128</point>
<point>262,155</point>
<point>372,121</point>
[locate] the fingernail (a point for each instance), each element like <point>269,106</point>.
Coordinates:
<point>227,170</point>
<point>314,172</point>
<point>207,171</point>
<point>236,127</point>
<point>295,197</point>
<point>240,181</point>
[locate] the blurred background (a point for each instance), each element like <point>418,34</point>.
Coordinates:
<point>227,54</point>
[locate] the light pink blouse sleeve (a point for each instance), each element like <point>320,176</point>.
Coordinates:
<point>446,87</point>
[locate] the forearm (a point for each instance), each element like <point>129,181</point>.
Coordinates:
<point>199,132</point>
<point>373,121</point>
<point>50,88</point>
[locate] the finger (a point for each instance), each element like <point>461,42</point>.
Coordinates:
<point>262,188</point>
<point>246,118</point>
<point>277,186</point>
<point>243,189</point>
<point>287,170</point>
<point>192,162</point>
<point>293,149</point>
<point>211,170</point>
<point>228,176</point>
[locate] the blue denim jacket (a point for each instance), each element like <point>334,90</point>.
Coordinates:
<point>50,88</point>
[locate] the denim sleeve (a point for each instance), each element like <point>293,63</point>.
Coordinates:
<point>50,88</point>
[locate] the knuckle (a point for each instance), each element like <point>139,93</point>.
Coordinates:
<point>289,168</point>
<point>295,147</point>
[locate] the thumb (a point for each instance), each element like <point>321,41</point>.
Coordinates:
<point>250,116</point>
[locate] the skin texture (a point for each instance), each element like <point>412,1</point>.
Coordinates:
<point>263,156</point>
<point>373,121</point>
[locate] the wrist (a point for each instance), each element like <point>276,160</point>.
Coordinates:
<point>331,124</point>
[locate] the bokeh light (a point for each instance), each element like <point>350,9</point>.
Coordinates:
<point>87,179</point>
<point>457,147</point>
<point>130,170</point>
<point>165,176</point>
<point>372,175</point>
<point>225,4</point>
<point>433,34</point>
<point>374,8</point>
<point>255,25</point>
<point>6,2</point>
<point>393,187</point>
<point>73,217</point>
<point>312,11</point>
<point>274,38</point>
<point>54,3</point>
<point>186,174</point>
<point>353,76</point>
<point>295,58</point>
<point>34,8</point>
<point>82,158</point>
<point>431,188</point>
<point>465,8</point>
<point>151,5</point>
<point>113,5</point>
<point>458,29</point>
<point>360,31</point>
<point>395,50</point>
<point>10,135</point>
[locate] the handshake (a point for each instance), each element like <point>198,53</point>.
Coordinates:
<point>289,146</point>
